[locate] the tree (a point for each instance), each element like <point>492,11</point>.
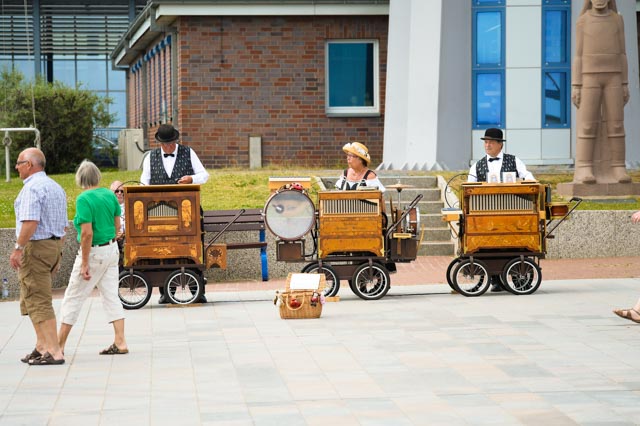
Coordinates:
<point>66,118</point>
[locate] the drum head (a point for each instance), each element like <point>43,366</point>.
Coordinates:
<point>289,214</point>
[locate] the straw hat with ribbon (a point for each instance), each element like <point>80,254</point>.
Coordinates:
<point>359,150</point>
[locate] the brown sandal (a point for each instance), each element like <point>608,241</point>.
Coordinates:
<point>46,359</point>
<point>114,350</point>
<point>33,355</point>
<point>626,314</point>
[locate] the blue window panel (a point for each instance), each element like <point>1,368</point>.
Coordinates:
<point>351,75</point>
<point>92,73</point>
<point>488,37</point>
<point>117,79</point>
<point>555,105</point>
<point>488,2</point>
<point>557,2</point>
<point>555,23</point>
<point>488,99</point>
<point>25,66</point>
<point>64,70</point>
<point>118,108</point>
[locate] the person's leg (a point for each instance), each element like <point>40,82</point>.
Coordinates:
<point>118,330</point>
<point>48,330</point>
<point>65,329</point>
<point>108,286</point>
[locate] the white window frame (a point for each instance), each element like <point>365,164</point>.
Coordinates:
<point>357,111</point>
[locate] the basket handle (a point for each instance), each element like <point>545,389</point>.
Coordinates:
<point>290,295</point>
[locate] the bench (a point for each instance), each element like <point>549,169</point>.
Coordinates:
<point>217,221</point>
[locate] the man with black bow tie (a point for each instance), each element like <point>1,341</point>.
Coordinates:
<point>171,162</point>
<point>495,163</point>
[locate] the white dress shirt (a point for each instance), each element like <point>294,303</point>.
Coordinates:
<point>200,174</point>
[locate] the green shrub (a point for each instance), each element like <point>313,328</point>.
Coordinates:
<point>66,118</point>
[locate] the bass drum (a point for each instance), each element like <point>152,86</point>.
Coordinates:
<point>289,214</point>
<point>411,223</point>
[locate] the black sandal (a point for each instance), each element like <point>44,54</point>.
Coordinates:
<point>46,359</point>
<point>33,355</point>
<point>114,350</point>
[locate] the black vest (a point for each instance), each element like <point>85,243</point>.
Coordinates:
<point>182,167</point>
<point>345,185</point>
<point>508,165</point>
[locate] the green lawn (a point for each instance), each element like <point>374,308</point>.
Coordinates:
<point>238,188</point>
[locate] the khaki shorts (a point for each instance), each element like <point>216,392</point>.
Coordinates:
<point>39,260</point>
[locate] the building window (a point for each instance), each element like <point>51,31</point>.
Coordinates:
<point>488,64</point>
<point>556,68</point>
<point>352,78</point>
<point>488,99</point>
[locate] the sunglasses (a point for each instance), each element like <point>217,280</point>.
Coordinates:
<point>118,191</point>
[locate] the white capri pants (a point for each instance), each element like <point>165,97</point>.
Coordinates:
<point>103,267</point>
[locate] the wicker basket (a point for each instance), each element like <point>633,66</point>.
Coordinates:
<point>304,310</point>
<point>297,304</point>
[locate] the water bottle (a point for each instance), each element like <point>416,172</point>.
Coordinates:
<point>5,288</point>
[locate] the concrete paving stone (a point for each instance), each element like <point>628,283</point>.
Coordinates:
<point>402,360</point>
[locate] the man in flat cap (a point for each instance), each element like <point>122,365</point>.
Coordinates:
<point>172,163</point>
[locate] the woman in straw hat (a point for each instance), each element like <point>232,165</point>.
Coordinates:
<point>358,174</point>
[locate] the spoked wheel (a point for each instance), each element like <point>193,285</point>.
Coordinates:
<point>471,279</point>
<point>371,282</point>
<point>521,276</point>
<point>183,288</point>
<point>330,275</point>
<point>134,290</point>
<point>450,269</point>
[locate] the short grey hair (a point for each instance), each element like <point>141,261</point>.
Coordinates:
<point>87,175</point>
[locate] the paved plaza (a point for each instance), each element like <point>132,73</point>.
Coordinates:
<point>419,356</point>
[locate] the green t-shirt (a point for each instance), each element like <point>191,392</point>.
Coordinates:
<point>100,207</point>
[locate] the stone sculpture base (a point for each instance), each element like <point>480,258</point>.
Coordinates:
<point>598,189</point>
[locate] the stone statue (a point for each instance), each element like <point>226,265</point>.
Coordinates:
<point>600,91</point>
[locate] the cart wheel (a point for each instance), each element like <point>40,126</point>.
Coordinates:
<point>134,290</point>
<point>371,283</point>
<point>330,275</point>
<point>471,279</point>
<point>521,277</point>
<point>450,270</point>
<point>183,288</point>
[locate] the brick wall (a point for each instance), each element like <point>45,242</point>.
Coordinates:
<point>242,76</point>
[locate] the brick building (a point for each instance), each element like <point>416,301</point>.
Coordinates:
<point>225,73</point>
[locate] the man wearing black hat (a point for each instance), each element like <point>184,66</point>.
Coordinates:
<point>495,163</point>
<point>172,163</point>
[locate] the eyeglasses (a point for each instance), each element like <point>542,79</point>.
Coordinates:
<point>118,191</point>
<point>21,162</point>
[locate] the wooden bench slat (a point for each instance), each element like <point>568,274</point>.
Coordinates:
<point>235,227</point>
<point>233,246</point>
<point>249,220</point>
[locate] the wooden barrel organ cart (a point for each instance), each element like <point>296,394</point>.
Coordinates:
<point>164,245</point>
<point>349,235</point>
<point>502,233</point>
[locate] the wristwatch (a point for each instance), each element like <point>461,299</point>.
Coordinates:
<point>18,247</point>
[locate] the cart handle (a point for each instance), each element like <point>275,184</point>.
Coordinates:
<point>577,201</point>
<point>213,240</point>
<point>404,214</point>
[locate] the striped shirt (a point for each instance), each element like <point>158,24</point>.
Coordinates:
<point>44,201</point>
